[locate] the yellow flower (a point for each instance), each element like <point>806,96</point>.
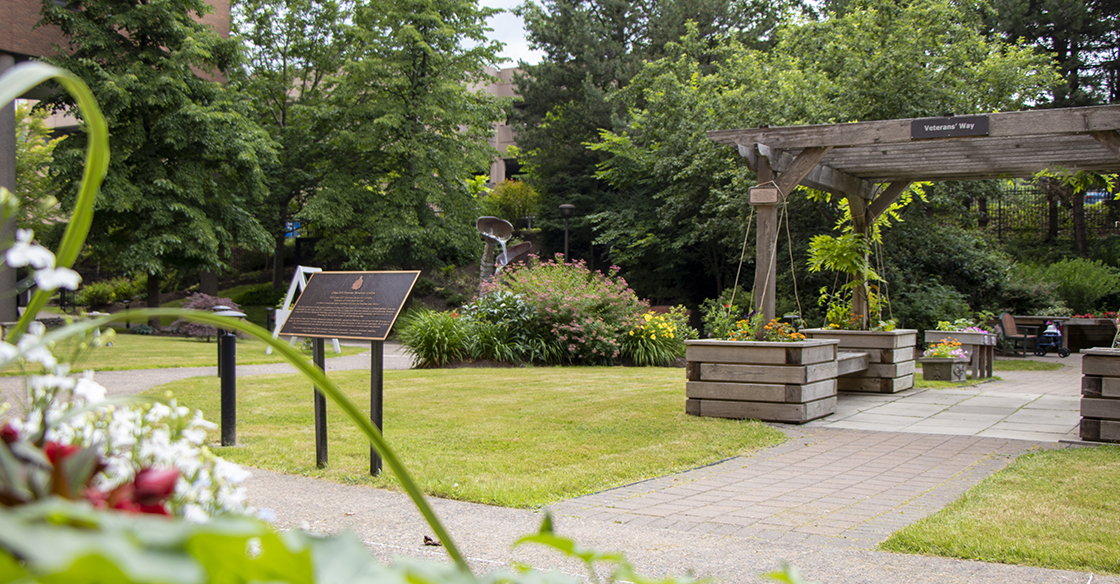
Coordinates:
<point>653,336</point>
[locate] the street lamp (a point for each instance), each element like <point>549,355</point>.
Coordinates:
<point>566,211</point>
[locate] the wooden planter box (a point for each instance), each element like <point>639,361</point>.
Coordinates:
<point>1100,395</point>
<point>1086,333</point>
<point>891,355</point>
<point>980,347</point>
<point>773,382</point>
<point>944,369</point>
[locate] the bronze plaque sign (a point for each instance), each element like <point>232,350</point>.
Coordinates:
<point>349,305</point>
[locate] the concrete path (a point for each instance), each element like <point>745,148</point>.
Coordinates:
<point>1024,405</point>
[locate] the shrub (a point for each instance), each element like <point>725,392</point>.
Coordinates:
<point>653,341</point>
<point>424,287</point>
<point>587,312</point>
<point>528,337</point>
<point>432,338</point>
<point>263,295</point>
<point>511,200</point>
<point>200,301</point>
<point>143,329</point>
<point>1080,283</point>
<point>96,294</point>
<point>928,303</point>
<point>719,315</point>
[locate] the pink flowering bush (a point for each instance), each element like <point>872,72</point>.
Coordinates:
<point>200,301</point>
<point>588,312</point>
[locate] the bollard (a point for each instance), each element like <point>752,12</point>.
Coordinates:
<point>227,351</point>
<point>318,356</point>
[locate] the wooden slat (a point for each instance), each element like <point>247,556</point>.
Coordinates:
<point>887,198</point>
<point>802,353</point>
<point>768,412</point>
<point>1092,386</point>
<point>1100,430</point>
<point>822,177</point>
<point>898,339</point>
<point>761,392</point>
<point>1100,408</point>
<point>848,363</point>
<point>795,374</point>
<point>1100,365</point>
<point>876,385</point>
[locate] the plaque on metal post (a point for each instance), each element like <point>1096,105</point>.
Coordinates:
<point>350,305</point>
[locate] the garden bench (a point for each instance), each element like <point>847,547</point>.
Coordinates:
<point>1015,338</point>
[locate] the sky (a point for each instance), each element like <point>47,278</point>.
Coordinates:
<point>510,30</point>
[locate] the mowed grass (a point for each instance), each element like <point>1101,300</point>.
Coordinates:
<point>1024,365</point>
<point>131,351</point>
<point>1054,509</point>
<point>519,437</point>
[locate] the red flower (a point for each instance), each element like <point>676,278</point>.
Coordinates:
<point>153,486</point>
<point>145,494</point>
<point>9,433</point>
<point>56,452</point>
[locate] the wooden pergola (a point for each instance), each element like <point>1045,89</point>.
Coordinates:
<point>872,163</point>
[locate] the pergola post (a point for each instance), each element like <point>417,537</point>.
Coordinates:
<point>765,271</point>
<point>8,310</point>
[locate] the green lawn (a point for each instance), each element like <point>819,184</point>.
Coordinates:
<point>518,437</point>
<point>131,351</point>
<point>1024,365</point>
<point>1054,509</point>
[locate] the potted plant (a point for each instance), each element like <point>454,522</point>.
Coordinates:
<point>977,341</point>
<point>946,360</point>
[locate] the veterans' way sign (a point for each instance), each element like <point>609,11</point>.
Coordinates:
<point>349,305</point>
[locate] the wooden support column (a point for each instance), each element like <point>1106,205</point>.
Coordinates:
<point>861,224</point>
<point>765,271</point>
<point>8,310</point>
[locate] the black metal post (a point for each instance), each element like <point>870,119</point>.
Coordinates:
<point>227,356</point>
<point>376,398</point>
<point>566,257</point>
<point>317,355</point>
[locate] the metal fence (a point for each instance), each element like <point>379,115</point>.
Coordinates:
<point>1025,211</point>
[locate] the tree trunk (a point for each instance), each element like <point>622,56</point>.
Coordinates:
<point>1052,230</point>
<point>982,207</point>
<point>1080,234</point>
<point>153,298</point>
<point>208,282</point>
<point>278,264</point>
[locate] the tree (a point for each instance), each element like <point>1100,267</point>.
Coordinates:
<point>1083,37</point>
<point>594,47</point>
<point>185,156</point>
<point>294,51</point>
<point>881,61</point>
<point>421,133</point>
<point>34,149</point>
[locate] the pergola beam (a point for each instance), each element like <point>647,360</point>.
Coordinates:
<point>1110,140</point>
<point>819,176</point>
<point>1080,120</point>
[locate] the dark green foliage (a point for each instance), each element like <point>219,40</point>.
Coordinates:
<point>418,133</point>
<point>186,157</point>
<point>922,304</point>
<point>424,287</point>
<point>433,338</point>
<point>1080,283</point>
<point>143,329</point>
<point>263,295</point>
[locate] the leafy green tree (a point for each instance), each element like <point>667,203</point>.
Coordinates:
<point>687,195</point>
<point>1080,35</point>
<point>294,51</point>
<point>592,48</point>
<point>186,157</point>
<point>421,131</point>
<point>34,151</point>
<point>512,200</point>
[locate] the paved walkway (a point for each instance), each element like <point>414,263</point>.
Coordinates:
<point>1024,405</point>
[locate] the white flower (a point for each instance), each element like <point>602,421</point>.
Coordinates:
<point>43,383</point>
<point>229,471</point>
<point>23,252</point>
<point>89,390</point>
<point>195,514</point>
<point>55,278</point>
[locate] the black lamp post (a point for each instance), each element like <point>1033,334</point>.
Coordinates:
<point>128,320</point>
<point>566,211</point>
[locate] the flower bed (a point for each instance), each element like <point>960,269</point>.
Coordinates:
<point>791,382</point>
<point>891,355</point>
